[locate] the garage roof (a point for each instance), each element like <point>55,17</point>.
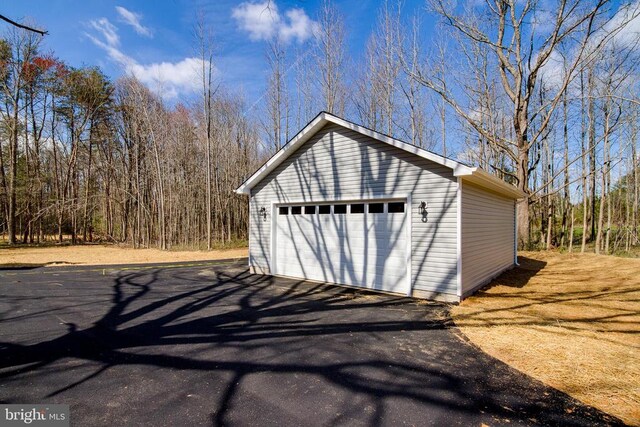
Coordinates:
<point>474,175</point>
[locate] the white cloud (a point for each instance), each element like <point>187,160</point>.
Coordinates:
<point>263,21</point>
<point>168,79</point>
<point>171,78</point>
<point>300,26</point>
<point>626,26</point>
<point>133,19</point>
<point>111,49</point>
<point>258,19</point>
<point>621,32</point>
<point>107,29</point>
<point>552,73</point>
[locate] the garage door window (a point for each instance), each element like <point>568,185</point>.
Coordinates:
<point>396,207</point>
<point>357,208</point>
<point>340,209</point>
<point>376,207</point>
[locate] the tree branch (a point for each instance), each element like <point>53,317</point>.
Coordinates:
<point>24,27</point>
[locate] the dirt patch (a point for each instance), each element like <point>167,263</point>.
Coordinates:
<point>570,321</point>
<point>104,255</point>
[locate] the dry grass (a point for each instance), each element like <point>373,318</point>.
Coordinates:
<point>105,255</point>
<point>571,321</point>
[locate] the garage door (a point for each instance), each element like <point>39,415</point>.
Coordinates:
<point>360,243</point>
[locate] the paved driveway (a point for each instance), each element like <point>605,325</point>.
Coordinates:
<point>213,344</point>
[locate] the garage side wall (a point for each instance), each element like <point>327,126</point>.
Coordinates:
<point>339,164</point>
<point>488,225</point>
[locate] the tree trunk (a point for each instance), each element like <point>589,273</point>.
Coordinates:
<point>583,136</point>
<point>13,177</point>
<point>86,222</point>
<point>571,231</point>
<point>603,182</point>
<point>592,152</point>
<point>523,204</point>
<point>566,203</point>
<point>635,164</point>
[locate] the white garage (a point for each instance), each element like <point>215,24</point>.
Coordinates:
<point>343,204</point>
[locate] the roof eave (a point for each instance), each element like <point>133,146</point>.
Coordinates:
<point>484,179</point>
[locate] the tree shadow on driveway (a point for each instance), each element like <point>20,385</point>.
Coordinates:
<point>255,349</point>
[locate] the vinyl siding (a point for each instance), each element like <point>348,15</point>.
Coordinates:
<point>487,236</point>
<point>340,164</point>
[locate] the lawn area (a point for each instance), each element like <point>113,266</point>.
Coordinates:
<point>571,321</point>
<point>90,254</point>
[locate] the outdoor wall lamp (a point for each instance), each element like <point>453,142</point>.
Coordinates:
<point>263,213</point>
<point>422,209</point>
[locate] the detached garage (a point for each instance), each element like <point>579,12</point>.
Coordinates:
<point>343,204</point>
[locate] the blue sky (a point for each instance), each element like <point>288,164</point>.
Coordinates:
<point>154,39</point>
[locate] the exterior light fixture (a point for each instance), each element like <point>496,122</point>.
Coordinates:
<point>263,213</point>
<point>422,209</point>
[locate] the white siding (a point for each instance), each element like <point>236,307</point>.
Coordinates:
<point>339,164</point>
<point>487,236</point>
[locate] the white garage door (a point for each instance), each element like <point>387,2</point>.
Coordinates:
<point>361,243</point>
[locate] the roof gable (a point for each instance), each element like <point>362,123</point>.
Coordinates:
<point>473,174</point>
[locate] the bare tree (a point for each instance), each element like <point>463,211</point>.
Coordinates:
<point>330,59</point>
<point>413,92</point>
<point>385,67</point>
<point>635,173</point>
<point>440,70</point>
<point>583,138</point>
<point>505,29</point>
<point>14,53</point>
<point>277,95</point>
<point>205,45</point>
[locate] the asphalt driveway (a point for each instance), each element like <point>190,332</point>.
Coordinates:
<point>212,344</point>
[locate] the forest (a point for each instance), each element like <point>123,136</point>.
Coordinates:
<point>546,95</point>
